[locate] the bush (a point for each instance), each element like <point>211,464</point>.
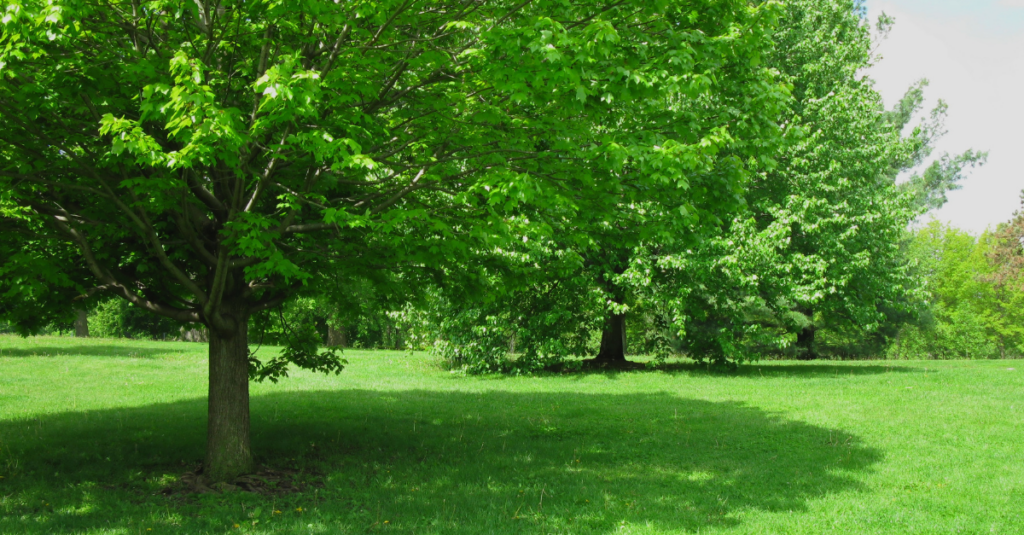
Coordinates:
<point>475,342</point>
<point>961,334</point>
<point>117,318</point>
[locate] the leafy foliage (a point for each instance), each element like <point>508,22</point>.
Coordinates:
<point>301,345</point>
<point>1007,253</point>
<point>811,242</point>
<point>210,161</point>
<point>117,318</point>
<point>820,246</point>
<point>198,156</point>
<point>968,314</point>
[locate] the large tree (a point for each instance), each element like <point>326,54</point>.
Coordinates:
<point>207,160</point>
<point>821,243</point>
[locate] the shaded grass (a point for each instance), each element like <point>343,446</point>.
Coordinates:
<point>773,369</point>
<point>91,431</point>
<point>124,350</point>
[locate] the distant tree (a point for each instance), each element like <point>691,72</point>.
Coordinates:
<point>1007,254</point>
<point>209,161</point>
<point>81,323</point>
<point>967,312</point>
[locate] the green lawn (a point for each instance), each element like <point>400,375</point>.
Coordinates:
<point>92,430</point>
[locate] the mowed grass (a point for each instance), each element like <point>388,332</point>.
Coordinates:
<point>92,430</point>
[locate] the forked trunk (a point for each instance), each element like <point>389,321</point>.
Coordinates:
<point>81,323</point>
<point>613,340</point>
<point>227,436</point>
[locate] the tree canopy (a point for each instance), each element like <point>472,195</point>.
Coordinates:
<point>206,161</point>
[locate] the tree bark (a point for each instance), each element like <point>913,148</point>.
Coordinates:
<point>81,323</point>
<point>227,437</point>
<point>613,340</point>
<point>337,336</point>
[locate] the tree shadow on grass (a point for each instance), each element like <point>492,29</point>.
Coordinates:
<point>431,462</point>
<point>761,369</point>
<point>821,370</point>
<point>99,350</point>
<point>791,369</point>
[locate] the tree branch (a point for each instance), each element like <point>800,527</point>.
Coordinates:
<point>113,285</point>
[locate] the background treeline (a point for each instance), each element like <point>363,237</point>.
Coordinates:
<point>970,311</point>
<point>965,311</point>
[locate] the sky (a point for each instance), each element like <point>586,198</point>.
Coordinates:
<point>972,53</point>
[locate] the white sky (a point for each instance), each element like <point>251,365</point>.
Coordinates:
<point>972,52</point>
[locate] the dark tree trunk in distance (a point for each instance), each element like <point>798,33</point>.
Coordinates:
<point>227,440</point>
<point>613,340</point>
<point>81,323</point>
<point>805,341</point>
<point>337,336</point>
<point>194,334</point>
<point>805,338</point>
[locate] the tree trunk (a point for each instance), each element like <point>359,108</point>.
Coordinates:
<point>613,340</point>
<point>805,341</point>
<point>227,436</point>
<point>336,336</point>
<point>805,338</point>
<point>81,323</point>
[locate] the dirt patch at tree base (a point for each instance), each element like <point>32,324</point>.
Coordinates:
<point>590,365</point>
<point>266,481</point>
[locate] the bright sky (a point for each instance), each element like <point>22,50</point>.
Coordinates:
<point>972,51</point>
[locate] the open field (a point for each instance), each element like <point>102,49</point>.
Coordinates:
<point>92,430</point>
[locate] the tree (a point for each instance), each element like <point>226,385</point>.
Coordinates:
<point>1008,252</point>
<point>584,254</point>
<point>208,161</point>
<point>81,323</point>
<point>929,187</point>
<point>820,244</point>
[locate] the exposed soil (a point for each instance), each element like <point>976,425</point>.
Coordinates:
<point>590,365</point>
<point>266,481</point>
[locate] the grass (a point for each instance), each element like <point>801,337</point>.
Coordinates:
<point>92,430</point>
